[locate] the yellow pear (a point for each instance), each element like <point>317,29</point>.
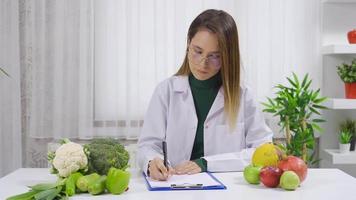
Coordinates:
<point>267,154</point>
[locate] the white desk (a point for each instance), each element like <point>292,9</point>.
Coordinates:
<point>326,184</point>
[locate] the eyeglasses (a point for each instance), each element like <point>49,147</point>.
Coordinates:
<point>196,56</point>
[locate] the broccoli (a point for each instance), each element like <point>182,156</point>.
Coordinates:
<point>104,153</point>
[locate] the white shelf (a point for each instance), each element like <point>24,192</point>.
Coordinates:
<point>341,158</point>
<point>339,1</point>
<point>341,103</point>
<point>339,49</point>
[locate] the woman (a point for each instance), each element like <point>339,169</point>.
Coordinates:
<point>209,120</point>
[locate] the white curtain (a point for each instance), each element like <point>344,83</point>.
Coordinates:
<point>57,60</point>
<point>138,43</point>
<point>10,104</point>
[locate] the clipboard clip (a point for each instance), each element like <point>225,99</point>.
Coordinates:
<point>187,186</point>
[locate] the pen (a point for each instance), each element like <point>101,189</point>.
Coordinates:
<point>164,147</point>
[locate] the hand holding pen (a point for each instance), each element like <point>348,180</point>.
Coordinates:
<point>158,168</point>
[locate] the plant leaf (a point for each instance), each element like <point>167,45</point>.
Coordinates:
<point>291,82</point>
<point>314,111</point>
<point>45,193</point>
<point>319,106</point>
<point>320,100</point>
<point>43,186</point>
<point>24,196</point>
<point>317,127</point>
<point>319,120</point>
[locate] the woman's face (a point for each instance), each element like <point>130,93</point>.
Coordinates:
<point>203,55</point>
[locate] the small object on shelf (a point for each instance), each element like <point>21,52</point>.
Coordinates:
<point>349,126</point>
<point>344,148</point>
<point>347,74</point>
<point>350,90</point>
<point>351,36</point>
<point>344,141</point>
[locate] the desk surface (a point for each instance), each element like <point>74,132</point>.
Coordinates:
<point>320,184</point>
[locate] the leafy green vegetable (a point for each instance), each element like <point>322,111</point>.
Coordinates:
<point>104,153</point>
<point>47,191</point>
<point>44,186</point>
<point>24,196</point>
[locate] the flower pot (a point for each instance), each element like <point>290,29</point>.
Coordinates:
<point>344,148</point>
<point>351,36</point>
<point>352,144</point>
<point>350,90</point>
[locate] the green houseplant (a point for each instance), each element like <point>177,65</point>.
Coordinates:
<point>297,107</point>
<point>345,137</point>
<point>349,126</point>
<point>344,141</point>
<point>347,74</point>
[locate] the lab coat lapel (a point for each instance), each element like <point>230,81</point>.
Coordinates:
<point>181,86</point>
<point>218,104</point>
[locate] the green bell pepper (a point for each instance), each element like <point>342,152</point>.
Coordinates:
<point>117,180</point>
<point>70,183</point>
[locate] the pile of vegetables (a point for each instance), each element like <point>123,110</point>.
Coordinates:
<point>97,167</point>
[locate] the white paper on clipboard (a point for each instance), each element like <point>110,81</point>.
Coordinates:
<point>201,178</point>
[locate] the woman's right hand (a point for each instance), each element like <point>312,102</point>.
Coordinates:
<point>158,171</point>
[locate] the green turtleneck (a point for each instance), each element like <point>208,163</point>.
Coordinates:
<point>204,93</point>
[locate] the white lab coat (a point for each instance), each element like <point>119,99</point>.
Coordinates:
<point>171,115</point>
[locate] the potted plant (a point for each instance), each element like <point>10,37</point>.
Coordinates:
<point>349,126</point>
<point>347,74</point>
<point>297,107</point>
<point>344,141</point>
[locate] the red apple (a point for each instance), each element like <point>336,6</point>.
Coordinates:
<point>270,176</point>
<point>292,163</point>
<point>351,36</point>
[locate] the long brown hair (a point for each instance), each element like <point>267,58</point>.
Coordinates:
<point>223,25</point>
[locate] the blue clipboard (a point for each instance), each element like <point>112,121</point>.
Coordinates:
<point>174,187</point>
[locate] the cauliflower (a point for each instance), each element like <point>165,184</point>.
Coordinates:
<point>69,158</point>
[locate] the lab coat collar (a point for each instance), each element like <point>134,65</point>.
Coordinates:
<point>181,85</point>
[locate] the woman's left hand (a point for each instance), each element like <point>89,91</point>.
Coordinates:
<point>187,167</point>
